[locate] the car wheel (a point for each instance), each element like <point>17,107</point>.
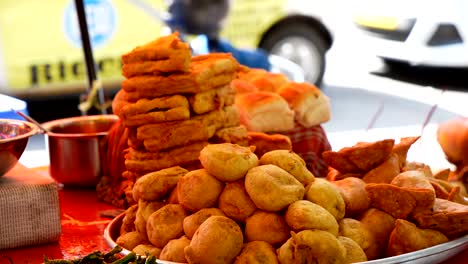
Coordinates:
<point>301,44</point>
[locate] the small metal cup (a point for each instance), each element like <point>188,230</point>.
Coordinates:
<point>76,148</point>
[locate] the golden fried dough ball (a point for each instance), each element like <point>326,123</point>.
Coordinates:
<point>305,214</point>
<point>130,240</point>
<point>198,189</point>
<point>145,209</point>
<point>193,221</point>
<point>272,188</point>
<point>128,222</point>
<point>173,197</point>
<point>235,202</point>
<point>155,185</point>
<point>355,230</point>
<point>327,195</point>
<point>174,250</point>
<point>354,252</point>
<point>407,237</point>
<point>290,162</point>
<point>380,225</point>
<point>353,191</point>
<point>226,161</point>
<point>267,226</point>
<point>257,252</point>
<point>218,240</point>
<point>312,246</point>
<point>147,249</point>
<point>165,224</point>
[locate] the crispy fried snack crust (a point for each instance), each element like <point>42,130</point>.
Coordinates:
<point>397,201</point>
<point>213,99</point>
<point>166,135</point>
<point>206,72</point>
<point>448,217</point>
<point>266,142</point>
<point>162,48</point>
<point>407,237</point>
<point>161,109</point>
<point>143,161</point>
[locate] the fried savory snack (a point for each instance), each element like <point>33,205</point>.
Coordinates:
<point>257,252</point>
<point>264,112</point>
<point>131,239</point>
<point>165,54</point>
<point>155,185</point>
<point>358,232</point>
<point>303,214</point>
<point>143,161</point>
<point>193,221</point>
<point>226,161</point>
<point>157,137</point>
<point>354,252</point>
<point>448,217</point>
<point>235,202</point>
<point>267,142</point>
<point>198,189</point>
<point>407,237</point>
<point>362,157</point>
<point>145,249</point>
<point>128,222</point>
<point>311,106</point>
<point>385,172</point>
<point>380,225</point>
<point>272,188</point>
<point>174,250</point>
<point>353,191</point>
<point>267,226</point>
<point>398,201</point>
<point>213,99</point>
<point>148,111</point>
<point>165,224</point>
<point>144,211</point>
<point>312,246</point>
<point>290,162</point>
<point>218,240</point>
<point>327,195</point>
<point>402,147</point>
<point>205,72</point>
<point>234,135</point>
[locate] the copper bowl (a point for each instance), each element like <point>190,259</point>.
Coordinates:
<point>76,148</point>
<point>14,136</point>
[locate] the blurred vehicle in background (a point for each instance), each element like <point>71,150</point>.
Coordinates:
<point>418,32</point>
<point>41,56</point>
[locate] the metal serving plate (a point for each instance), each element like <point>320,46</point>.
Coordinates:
<point>432,255</point>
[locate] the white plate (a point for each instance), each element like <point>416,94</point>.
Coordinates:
<point>432,255</point>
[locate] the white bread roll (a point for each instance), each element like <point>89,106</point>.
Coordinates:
<point>310,105</point>
<point>264,112</point>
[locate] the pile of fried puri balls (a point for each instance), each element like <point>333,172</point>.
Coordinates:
<point>240,208</point>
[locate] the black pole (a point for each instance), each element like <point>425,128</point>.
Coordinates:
<point>88,52</point>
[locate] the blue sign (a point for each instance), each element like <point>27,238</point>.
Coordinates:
<point>101,18</point>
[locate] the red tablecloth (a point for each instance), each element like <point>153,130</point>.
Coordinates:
<point>82,231</point>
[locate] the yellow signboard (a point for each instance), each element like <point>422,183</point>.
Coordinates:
<point>40,46</point>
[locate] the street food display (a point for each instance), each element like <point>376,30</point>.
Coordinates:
<point>213,162</point>
<point>215,175</point>
<point>273,205</point>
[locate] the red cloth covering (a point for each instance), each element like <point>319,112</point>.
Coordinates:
<point>310,143</point>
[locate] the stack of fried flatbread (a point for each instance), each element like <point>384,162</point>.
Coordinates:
<point>173,104</point>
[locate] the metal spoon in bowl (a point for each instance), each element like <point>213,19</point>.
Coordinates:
<point>30,119</point>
